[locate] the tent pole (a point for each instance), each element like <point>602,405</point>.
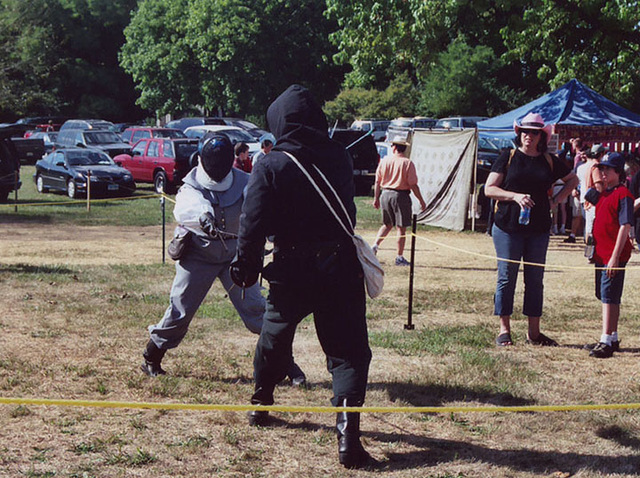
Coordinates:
<point>474,198</point>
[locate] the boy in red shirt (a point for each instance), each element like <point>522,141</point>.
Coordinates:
<point>614,216</point>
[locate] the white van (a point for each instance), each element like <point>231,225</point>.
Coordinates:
<point>379,127</point>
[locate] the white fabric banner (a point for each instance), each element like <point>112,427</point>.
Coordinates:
<point>445,165</point>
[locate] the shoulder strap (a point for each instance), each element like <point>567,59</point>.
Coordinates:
<point>549,159</point>
<point>348,226</point>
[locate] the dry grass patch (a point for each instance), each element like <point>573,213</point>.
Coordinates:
<point>74,327</point>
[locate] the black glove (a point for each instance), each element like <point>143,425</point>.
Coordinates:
<point>208,224</point>
<point>241,275</point>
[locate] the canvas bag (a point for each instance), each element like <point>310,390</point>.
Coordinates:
<point>373,272</point>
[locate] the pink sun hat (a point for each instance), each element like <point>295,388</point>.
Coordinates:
<point>532,121</point>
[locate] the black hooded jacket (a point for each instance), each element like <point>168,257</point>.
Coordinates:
<point>280,201</point>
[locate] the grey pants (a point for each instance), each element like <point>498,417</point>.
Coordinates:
<point>193,280</point>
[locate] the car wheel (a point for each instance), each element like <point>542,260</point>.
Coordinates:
<point>40,185</point>
<point>72,192</point>
<point>160,182</point>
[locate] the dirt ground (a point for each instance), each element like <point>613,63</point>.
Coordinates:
<point>54,356</point>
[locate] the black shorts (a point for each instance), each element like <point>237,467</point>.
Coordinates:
<point>396,208</point>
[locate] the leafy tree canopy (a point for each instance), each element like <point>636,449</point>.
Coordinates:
<point>232,55</point>
<point>60,56</point>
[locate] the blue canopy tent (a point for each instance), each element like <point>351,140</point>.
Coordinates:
<point>574,110</point>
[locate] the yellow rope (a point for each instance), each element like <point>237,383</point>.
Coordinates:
<point>312,409</point>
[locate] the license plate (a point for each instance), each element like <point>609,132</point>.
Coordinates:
<point>112,187</point>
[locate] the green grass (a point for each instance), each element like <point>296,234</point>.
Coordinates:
<point>56,208</point>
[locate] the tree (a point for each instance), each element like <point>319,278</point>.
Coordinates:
<point>400,98</point>
<point>464,79</point>
<point>233,55</point>
<point>595,41</point>
<point>60,56</point>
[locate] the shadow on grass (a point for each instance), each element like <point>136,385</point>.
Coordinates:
<point>434,451</point>
<point>34,269</point>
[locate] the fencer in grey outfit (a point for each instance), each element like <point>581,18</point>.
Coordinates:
<point>207,209</point>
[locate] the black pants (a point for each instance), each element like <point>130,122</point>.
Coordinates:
<point>329,285</point>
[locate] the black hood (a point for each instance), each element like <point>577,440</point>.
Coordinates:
<point>299,124</point>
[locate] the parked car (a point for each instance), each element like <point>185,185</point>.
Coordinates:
<point>9,162</point>
<point>87,124</point>
<point>364,155</point>
<point>184,123</point>
<point>43,123</point>
<point>102,140</point>
<point>377,127</point>
<point>67,170</point>
<point>235,134</point>
<point>161,161</point>
<point>133,134</point>
<point>248,126</point>
<point>49,139</point>
<point>401,128</point>
<point>459,122</point>
<point>384,149</point>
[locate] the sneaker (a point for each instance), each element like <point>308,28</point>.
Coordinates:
<point>375,249</point>
<point>570,240</point>
<point>152,369</point>
<point>614,345</point>
<point>602,350</point>
<point>258,418</point>
<point>563,231</point>
<point>401,261</point>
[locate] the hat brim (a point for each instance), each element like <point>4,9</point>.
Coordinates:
<point>547,128</point>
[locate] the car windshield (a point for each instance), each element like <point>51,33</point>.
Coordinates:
<point>101,137</point>
<point>244,124</point>
<point>237,136</point>
<point>401,123</point>
<point>185,150</point>
<point>447,124</point>
<point>87,158</point>
<point>168,133</point>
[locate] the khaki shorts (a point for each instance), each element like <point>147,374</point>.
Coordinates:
<point>396,208</point>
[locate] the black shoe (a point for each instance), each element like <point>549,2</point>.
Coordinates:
<point>570,240</point>
<point>152,369</point>
<point>602,350</point>
<point>258,418</point>
<point>297,376</point>
<point>152,359</point>
<point>614,345</point>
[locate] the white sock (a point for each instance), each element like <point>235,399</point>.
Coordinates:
<point>614,336</point>
<point>606,339</point>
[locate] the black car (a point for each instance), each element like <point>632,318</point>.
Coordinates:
<point>364,155</point>
<point>67,170</point>
<point>101,140</point>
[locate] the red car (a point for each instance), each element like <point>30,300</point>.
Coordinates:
<point>132,134</point>
<point>161,161</point>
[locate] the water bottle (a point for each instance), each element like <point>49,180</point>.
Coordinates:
<point>525,213</point>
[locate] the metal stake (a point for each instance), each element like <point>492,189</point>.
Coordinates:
<point>409,325</point>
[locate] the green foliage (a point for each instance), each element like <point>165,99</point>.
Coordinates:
<point>60,57</point>
<point>234,56</point>
<point>400,98</point>
<point>595,41</point>
<point>464,80</point>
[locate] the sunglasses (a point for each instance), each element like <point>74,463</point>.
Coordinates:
<point>530,132</point>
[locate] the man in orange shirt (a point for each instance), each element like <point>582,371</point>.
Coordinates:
<point>395,178</point>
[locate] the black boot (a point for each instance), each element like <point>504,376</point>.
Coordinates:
<point>260,417</point>
<point>152,359</point>
<point>296,375</point>
<point>350,450</point>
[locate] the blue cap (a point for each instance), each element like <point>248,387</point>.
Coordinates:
<point>613,160</point>
<point>267,137</point>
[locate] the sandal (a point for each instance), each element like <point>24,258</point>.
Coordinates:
<point>542,341</point>
<point>504,340</point>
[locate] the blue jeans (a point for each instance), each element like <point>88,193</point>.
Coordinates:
<point>609,289</point>
<point>530,247</point>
